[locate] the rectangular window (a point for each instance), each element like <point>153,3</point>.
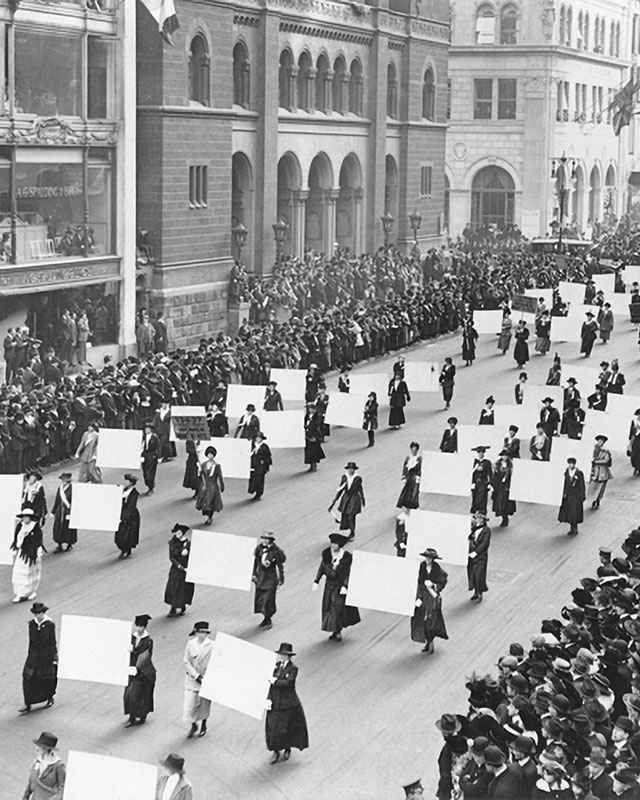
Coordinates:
<point>198,189</point>
<point>48,74</point>
<point>507,96</point>
<point>483,98</point>
<point>426,176</point>
<point>97,55</point>
<point>448,99</point>
<point>99,202</point>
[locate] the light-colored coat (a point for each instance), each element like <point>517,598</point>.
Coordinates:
<point>183,790</point>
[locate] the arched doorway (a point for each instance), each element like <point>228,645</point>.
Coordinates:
<point>319,226</point>
<point>289,184</point>
<point>349,205</point>
<point>595,196</point>
<point>492,197</point>
<point>391,191</point>
<point>577,199</point>
<point>242,202</point>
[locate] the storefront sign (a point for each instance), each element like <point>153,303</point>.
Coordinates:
<point>58,276</point>
<point>46,192</point>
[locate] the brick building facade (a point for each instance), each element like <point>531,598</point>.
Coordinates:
<point>321,113</point>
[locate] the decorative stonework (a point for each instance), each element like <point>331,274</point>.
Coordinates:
<point>57,275</point>
<point>325,33</point>
<point>338,12</point>
<point>246,20</point>
<point>459,151</point>
<point>58,132</point>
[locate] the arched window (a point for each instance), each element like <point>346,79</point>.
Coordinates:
<point>492,197</point>
<point>339,85</point>
<point>603,35</point>
<point>241,76</point>
<point>392,90</point>
<point>356,81</point>
<point>306,101</point>
<point>509,25</point>
<point>612,38</point>
<point>580,38</point>
<point>562,25</point>
<point>569,39</point>
<point>429,96</point>
<point>199,70</point>
<point>323,99</point>
<point>586,31</point>
<point>596,34</point>
<point>617,50</point>
<point>486,25</point>
<point>284,80</point>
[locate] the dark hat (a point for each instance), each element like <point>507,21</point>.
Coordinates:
<point>272,383</point>
<point>338,538</point>
<point>547,400</point>
<point>631,701</point>
<point>35,474</point>
<point>590,584</point>
<point>621,564</point>
<point>598,757</point>
<point>411,787</point>
<point>518,682</point>
<point>490,399</point>
<point>174,762</point>
<point>131,478</point>
<point>604,363</point>
<point>516,649</point>
<point>479,745</point>
<point>536,669</point>
<point>524,744</point>
<point>200,627</point>
<point>250,407</point>
<point>589,314</point>
<point>268,535</point>
<point>588,689</point>
<point>632,626</point>
<point>150,425</point>
<point>39,608</point>
<point>260,435</point>
<point>504,453</point>
<point>452,421</point>
<point>481,448</point>
<point>285,649</point>
<point>493,756</point>
<point>448,724</point>
<point>602,438</point>
<point>142,620</point>
<point>625,776</point>
<point>572,380</point>
<point>351,465</point>
<point>178,528</point>
<point>211,449</point>
<point>625,724</point>
<point>430,552</point>
<point>596,711</point>
<point>581,723</point>
<point>46,739</point>
<point>65,476</point>
<point>514,428</point>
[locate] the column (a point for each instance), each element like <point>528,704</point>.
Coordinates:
<point>327,86</point>
<point>298,222</point>
<point>311,89</point>
<point>292,79</point>
<point>330,199</point>
<point>358,227</point>
<point>344,93</point>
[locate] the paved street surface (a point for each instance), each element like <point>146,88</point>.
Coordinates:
<point>370,701</point>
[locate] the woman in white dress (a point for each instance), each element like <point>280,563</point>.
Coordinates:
<point>197,655</point>
<point>28,549</point>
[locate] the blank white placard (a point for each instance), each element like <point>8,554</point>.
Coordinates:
<point>188,411</point>
<point>94,649</point>
<point>623,405</point>
<point>563,448</point>
<point>239,396</point>
<point>283,428</point>
<point>612,425</point>
<point>526,417</point>
<point>488,322</point>
<point>446,473</point>
<point>365,382</point>
<point>422,376</point>
<point>234,456</point>
<point>108,778</point>
<point>586,377</point>
<point>446,533</point>
<point>619,303</point>
<point>572,293</point>
<point>292,383</point>
<point>95,507</point>
<point>566,329</point>
<point>538,482</point>
<point>11,496</point>
<point>7,532</point>
<point>537,293</point>
<point>346,409</point>
<point>631,274</point>
<point>382,583</point>
<point>605,283</point>
<point>119,449</point>
<point>221,559</point>
<point>473,435</point>
<point>238,675</point>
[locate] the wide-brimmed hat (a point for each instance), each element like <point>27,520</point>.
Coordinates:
<point>448,723</point>
<point>285,649</point>
<point>39,608</point>
<point>601,437</point>
<point>260,435</point>
<point>351,465</point>
<point>46,739</point>
<point>625,776</point>
<point>481,448</point>
<point>452,421</point>
<point>430,552</point>
<point>200,627</point>
<point>598,757</point>
<point>338,538</point>
<point>268,535</point>
<point>178,528</point>
<point>524,744</point>
<point>26,512</point>
<point>173,762</point>
<point>548,400</point>
<point>65,476</point>
<point>625,724</point>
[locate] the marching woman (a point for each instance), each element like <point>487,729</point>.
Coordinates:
<point>588,334</point>
<point>47,775</point>
<point>600,469</point>
<point>504,340</point>
<point>191,479</point>
<point>398,398</point>
<point>40,671</point>
<point>313,437</point>
<point>27,565</point>
<point>34,497</point>
<point>138,695</point>
<point>487,415</point>
<point>479,541</point>
<point>633,448</point>
<point>197,655</point>
<point>150,456</point>
<point>350,498</point>
<point>480,480</point>
<point>502,504</point>
<point>267,577</point>
<point>521,350</point>
<point>427,622</point>
<point>178,593</point>
<point>555,372</point>
<point>449,441</point>
<point>469,339</point>
<point>209,497</point>
<point>447,381</point>
<point>261,462</point>
<point>128,533</point>
<point>62,533</point>
<point>335,566</point>
<point>520,388</point>
<point>411,472</point>
<point>573,496</point>
<point>543,333</point>
<point>370,417</point>
<point>285,725</point>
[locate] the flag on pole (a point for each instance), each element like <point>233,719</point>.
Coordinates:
<point>164,13</point>
<point>624,104</point>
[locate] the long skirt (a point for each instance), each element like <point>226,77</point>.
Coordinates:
<point>479,497</point>
<point>191,478</point>
<point>571,511</point>
<point>286,729</point>
<point>178,592</point>
<point>89,472</point>
<point>502,504</point>
<point>477,576</point>
<point>62,533</point>
<point>138,697</point>
<point>447,392</point>
<point>504,340</point>
<point>39,688</point>
<point>605,335</point>
<point>410,495</point>
<point>396,416</point>
<point>149,469</point>
<point>26,577</point>
<point>336,615</point>
<point>264,601</point>
<point>313,452</point>
<point>521,352</point>
<point>256,482</point>
<point>195,708</point>
<point>542,345</point>
<point>427,622</point>
<point>634,452</point>
<point>587,346</point>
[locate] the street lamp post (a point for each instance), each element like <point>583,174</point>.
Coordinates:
<point>387,220</point>
<point>239,234</point>
<point>559,172</point>
<point>415,220</point>
<point>280,229</point>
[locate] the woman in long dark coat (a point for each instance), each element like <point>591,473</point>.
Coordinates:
<point>447,381</point>
<point>411,472</point>
<point>633,448</point>
<point>427,622</point>
<point>261,461</point>
<point>335,566</point>
<point>138,694</point>
<point>481,475</point>
<point>191,479</point>
<point>503,506</point>
<point>40,671</point>
<point>588,335</point>
<point>33,496</point>
<point>370,418</point>
<point>521,350</point>
<point>398,398</point>
<point>573,497</point>
<point>62,533</point>
<point>479,541</point>
<point>285,725</point>
<point>128,533</point>
<point>178,592</point>
<point>469,339</point>
<point>313,437</point>
<point>267,577</point>
<point>209,498</point>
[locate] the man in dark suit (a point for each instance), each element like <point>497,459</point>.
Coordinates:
<point>351,496</point>
<point>108,406</point>
<point>150,455</point>
<point>454,745</point>
<point>523,749</point>
<point>507,783</point>
<point>550,418</point>
<point>601,781</point>
<point>449,443</point>
<point>475,778</point>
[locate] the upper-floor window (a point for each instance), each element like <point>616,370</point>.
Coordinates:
<point>284,80</point>
<point>199,70</point>
<point>485,25</point>
<point>596,35</point>
<point>580,33</point>
<point>568,40</point>
<point>509,25</point>
<point>305,94</point>
<point>585,32</point>
<point>323,83</point>
<point>482,98</point>
<point>241,76</point>
<point>507,98</point>
<point>562,25</point>
<point>392,90</point>
<point>429,95</point>
<point>356,82</point>
<point>617,50</point>
<point>340,85</point>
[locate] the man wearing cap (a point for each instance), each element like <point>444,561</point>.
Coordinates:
<point>62,533</point>
<point>479,541</point>
<point>248,424</point>
<point>197,655</point>
<point>588,334</point>
<point>573,497</point>
<point>414,790</point>
<point>506,782</point>
<point>267,577</point>
<point>47,775</point>
<point>285,724</point>
<point>138,694</point>
<point>350,495</point>
<point>449,441</point>
<point>261,461</point>
<point>475,777</point>
<point>174,784</point>
<point>149,456</point>
<point>272,398</point>
<point>550,419</point>
<point>40,671</point>
<point>335,566</point>
<point>481,475</point>
<point>619,751</point>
